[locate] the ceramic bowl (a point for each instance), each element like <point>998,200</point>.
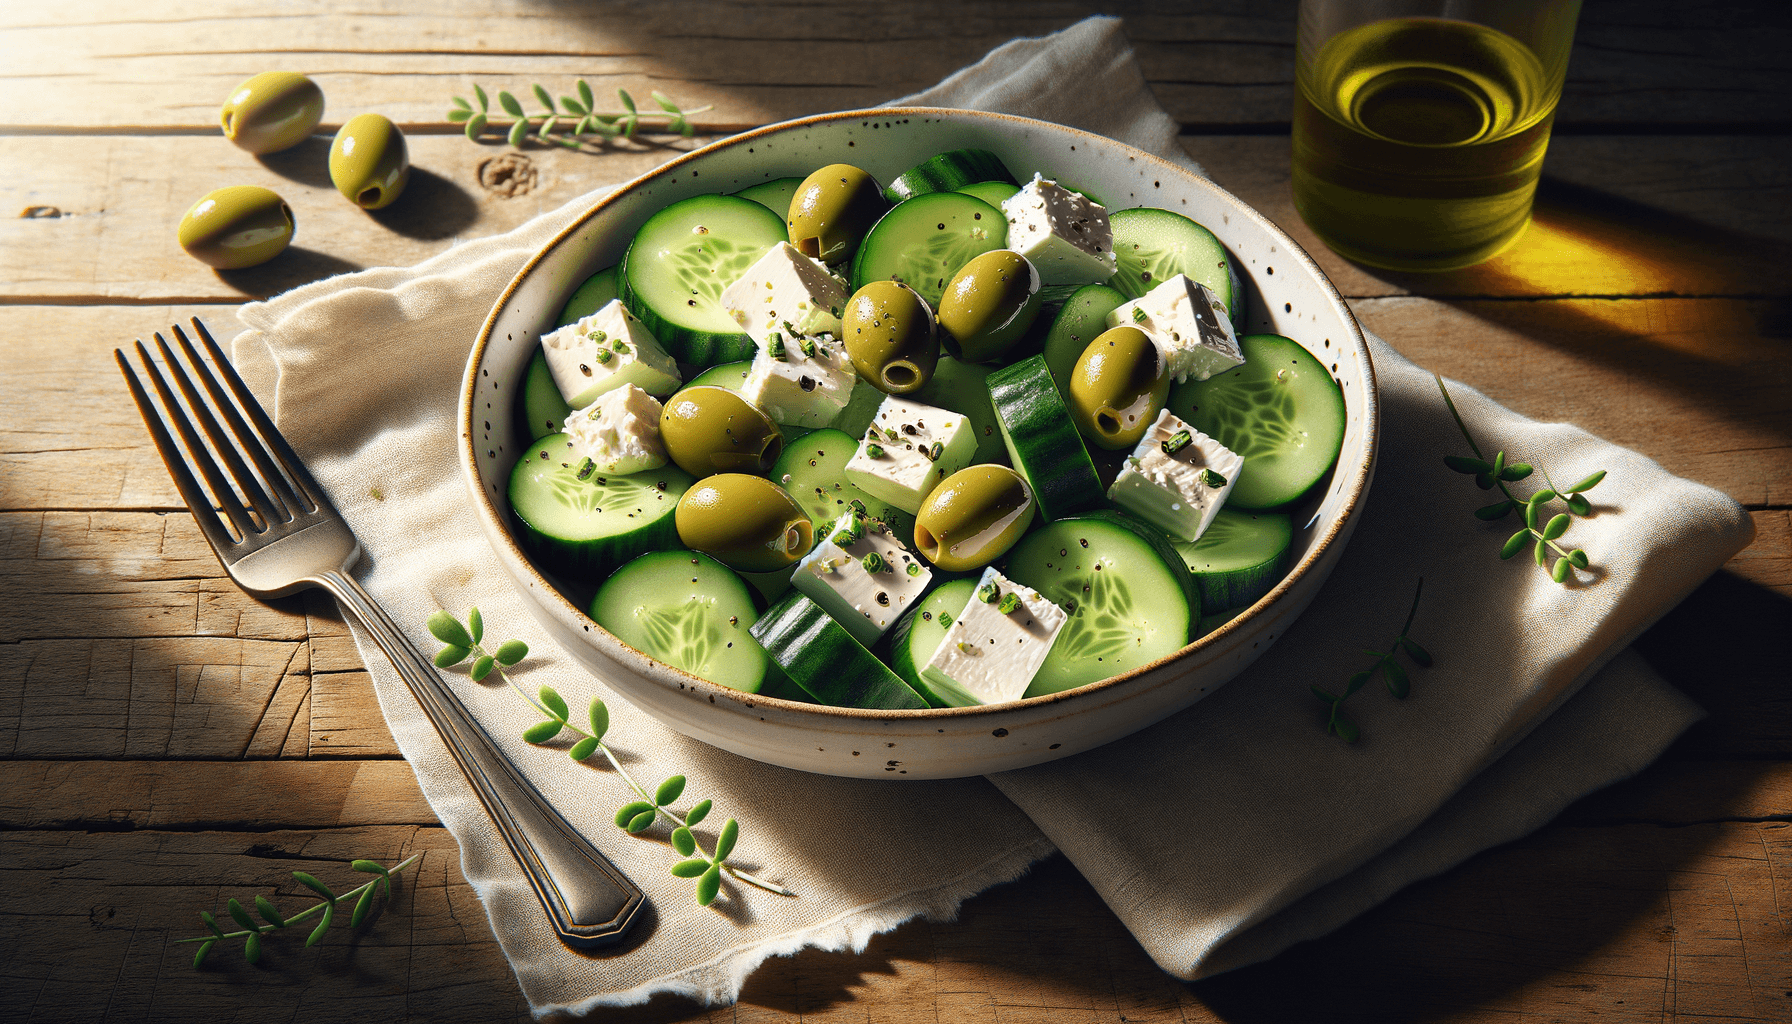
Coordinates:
<point>1286,294</point>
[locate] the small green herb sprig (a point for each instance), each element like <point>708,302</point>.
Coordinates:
<point>579,113</point>
<point>462,641</point>
<point>251,933</point>
<point>1499,473</point>
<point>1388,665</point>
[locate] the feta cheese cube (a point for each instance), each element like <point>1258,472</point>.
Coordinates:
<point>994,648</point>
<point>784,286</point>
<point>1177,478</point>
<point>1065,236</point>
<point>860,574</point>
<point>606,350</point>
<point>801,381</point>
<point>619,433</point>
<point>908,449</point>
<point>1192,328</point>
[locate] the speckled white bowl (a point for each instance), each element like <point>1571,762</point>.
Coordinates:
<point>1286,294</point>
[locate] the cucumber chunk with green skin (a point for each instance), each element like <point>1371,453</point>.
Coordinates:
<point>1153,246</point>
<point>1281,410</point>
<point>775,195</point>
<point>1079,321</point>
<point>824,659</point>
<point>813,470</point>
<point>583,529</point>
<point>687,610</point>
<point>1128,604</point>
<point>948,171</point>
<point>544,410</point>
<point>1042,442</point>
<point>917,635</point>
<point>925,241</point>
<point>675,269</point>
<point>1241,557</point>
<point>991,192</point>
<point>593,295</point>
<point>964,388</point>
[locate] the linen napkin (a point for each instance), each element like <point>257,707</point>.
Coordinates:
<point>1220,836</point>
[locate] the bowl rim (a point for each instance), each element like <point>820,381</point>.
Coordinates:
<point>663,674</point>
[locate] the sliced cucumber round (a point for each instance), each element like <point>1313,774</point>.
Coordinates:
<point>1042,442</point>
<point>948,171</point>
<point>1281,410</point>
<point>964,388</point>
<point>584,528</point>
<point>1153,246</point>
<point>544,410</point>
<point>775,195</point>
<point>1083,316</point>
<point>593,295</point>
<point>675,269</point>
<point>1240,557</point>
<point>689,611</point>
<point>917,635</point>
<point>723,375</point>
<point>992,192</point>
<point>924,241</point>
<point>824,659</point>
<point>813,470</point>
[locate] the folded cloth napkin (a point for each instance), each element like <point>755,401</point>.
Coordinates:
<point>1220,836</point>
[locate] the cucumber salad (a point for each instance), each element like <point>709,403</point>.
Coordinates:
<point>954,440</point>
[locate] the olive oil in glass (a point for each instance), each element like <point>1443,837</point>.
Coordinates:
<point>1418,141</point>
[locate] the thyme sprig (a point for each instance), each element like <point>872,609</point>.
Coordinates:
<point>1542,536</point>
<point>273,919</point>
<point>462,641</point>
<point>579,113</point>
<point>1387,663</point>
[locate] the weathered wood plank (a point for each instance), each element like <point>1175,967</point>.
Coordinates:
<point>191,795</point>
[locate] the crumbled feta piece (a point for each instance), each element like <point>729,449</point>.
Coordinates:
<point>1192,328</point>
<point>606,350</point>
<point>1177,478</point>
<point>860,574</point>
<point>908,449</point>
<point>784,286</point>
<point>619,433</point>
<point>994,648</point>
<point>800,381</point>
<point>1065,236</point>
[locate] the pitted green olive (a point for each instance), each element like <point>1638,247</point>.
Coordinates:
<point>832,210</point>
<point>709,429</point>
<point>748,522</point>
<point>236,227</point>
<point>890,337</point>
<point>988,305</point>
<point>1118,387</point>
<point>973,517</point>
<point>369,162</point>
<point>273,111</point>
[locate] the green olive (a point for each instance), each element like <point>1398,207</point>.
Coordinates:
<point>832,210</point>
<point>236,227</point>
<point>973,517</point>
<point>1118,387</point>
<point>368,161</point>
<point>988,305</point>
<point>748,522</point>
<point>709,429</point>
<point>890,337</point>
<point>273,111</point>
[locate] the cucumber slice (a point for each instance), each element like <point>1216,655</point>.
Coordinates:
<point>1041,441</point>
<point>948,171</point>
<point>918,634</point>
<point>925,241</point>
<point>689,611</point>
<point>675,269</point>
<point>1083,316</point>
<point>1281,410</point>
<point>544,410</point>
<point>1128,602</point>
<point>583,529</point>
<point>1153,246</point>
<point>824,659</point>
<point>813,470</point>
<point>1241,557</point>
<point>964,388</point>
<point>775,195</point>
<point>593,295</point>
<point>991,192</point>
<point>860,410</point>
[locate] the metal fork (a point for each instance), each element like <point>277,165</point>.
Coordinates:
<point>277,534</point>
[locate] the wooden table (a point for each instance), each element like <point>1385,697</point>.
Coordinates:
<point>168,742</point>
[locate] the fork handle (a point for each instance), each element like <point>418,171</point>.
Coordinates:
<point>588,900</point>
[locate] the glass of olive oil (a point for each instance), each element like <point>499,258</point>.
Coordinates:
<point>1420,125</point>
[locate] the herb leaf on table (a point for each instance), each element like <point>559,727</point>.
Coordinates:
<point>1387,664</point>
<point>251,931</point>
<point>584,121</point>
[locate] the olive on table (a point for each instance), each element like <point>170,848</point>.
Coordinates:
<point>988,305</point>
<point>273,111</point>
<point>237,226</point>
<point>1118,387</point>
<point>973,517</point>
<point>747,522</point>
<point>832,210</point>
<point>890,337</point>
<point>369,162</point>
<point>709,429</point>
